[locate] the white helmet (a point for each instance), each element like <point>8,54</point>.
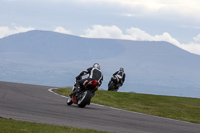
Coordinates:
<point>96,65</point>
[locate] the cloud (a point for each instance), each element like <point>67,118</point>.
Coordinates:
<point>6,31</point>
<point>190,26</point>
<point>197,38</point>
<point>193,47</point>
<point>99,31</point>
<point>128,15</point>
<point>62,30</point>
<point>138,34</point>
<point>188,8</point>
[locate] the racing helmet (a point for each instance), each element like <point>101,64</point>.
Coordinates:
<point>121,69</point>
<point>96,65</point>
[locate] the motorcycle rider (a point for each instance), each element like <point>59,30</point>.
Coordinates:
<point>94,74</point>
<point>121,77</point>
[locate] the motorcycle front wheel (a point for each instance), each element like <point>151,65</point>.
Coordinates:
<point>69,101</point>
<point>112,87</point>
<point>85,99</point>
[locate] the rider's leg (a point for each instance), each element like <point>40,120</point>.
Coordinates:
<point>79,83</point>
<point>76,87</point>
<point>111,79</point>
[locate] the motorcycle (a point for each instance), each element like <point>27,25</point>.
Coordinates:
<point>83,97</point>
<point>114,83</point>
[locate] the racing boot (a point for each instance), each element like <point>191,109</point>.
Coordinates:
<point>75,91</point>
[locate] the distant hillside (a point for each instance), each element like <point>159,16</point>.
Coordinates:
<point>55,47</point>
<point>49,58</point>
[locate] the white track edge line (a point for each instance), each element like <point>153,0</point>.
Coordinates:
<point>51,90</point>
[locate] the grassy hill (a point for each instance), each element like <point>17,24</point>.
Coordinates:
<point>179,108</point>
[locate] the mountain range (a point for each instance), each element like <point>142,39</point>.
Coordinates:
<point>55,59</point>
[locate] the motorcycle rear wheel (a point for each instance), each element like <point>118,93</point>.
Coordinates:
<point>85,99</point>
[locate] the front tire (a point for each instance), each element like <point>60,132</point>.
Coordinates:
<point>85,99</point>
<point>112,87</point>
<point>69,101</point>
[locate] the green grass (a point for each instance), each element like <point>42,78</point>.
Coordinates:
<point>14,126</point>
<point>179,108</point>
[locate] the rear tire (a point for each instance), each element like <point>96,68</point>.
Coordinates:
<point>85,99</point>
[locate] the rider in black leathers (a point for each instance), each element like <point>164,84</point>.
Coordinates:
<point>94,74</point>
<point>121,76</point>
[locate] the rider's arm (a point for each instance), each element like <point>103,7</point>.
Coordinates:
<point>101,80</point>
<point>115,73</point>
<point>83,73</point>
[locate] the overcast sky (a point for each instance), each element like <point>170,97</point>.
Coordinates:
<point>175,21</point>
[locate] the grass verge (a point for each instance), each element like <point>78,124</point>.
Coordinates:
<point>179,108</point>
<point>14,126</point>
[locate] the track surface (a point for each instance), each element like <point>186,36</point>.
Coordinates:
<point>36,104</point>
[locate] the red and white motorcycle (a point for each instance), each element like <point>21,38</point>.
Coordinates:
<point>83,97</point>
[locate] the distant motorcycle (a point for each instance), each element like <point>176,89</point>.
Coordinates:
<point>114,83</point>
<point>84,97</point>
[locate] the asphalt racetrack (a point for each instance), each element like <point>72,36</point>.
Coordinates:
<point>36,103</point>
